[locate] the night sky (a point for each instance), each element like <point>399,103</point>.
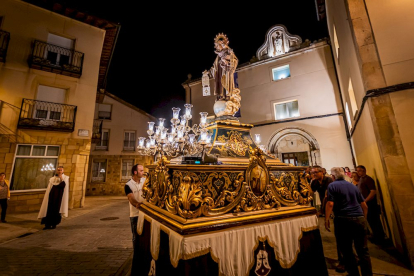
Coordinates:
<point>160,44</point>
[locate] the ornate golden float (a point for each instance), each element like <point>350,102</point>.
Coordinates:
<point>247,186</point>
<point>241,205</point>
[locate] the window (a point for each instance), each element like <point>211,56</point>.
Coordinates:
<point>33,166</point>
<point>104,111</point>
<point>129,140</point>
<point>286,110</point>
<point>281,72</point>
<point>336,43</point>
<point>104,141</point>
<point>126,169</point>
<point>351,93</point>
<point>348,118</point>
<point>58,54</point>
<point>296,158</point>
<point>44,109</point>
<point>98,170</point>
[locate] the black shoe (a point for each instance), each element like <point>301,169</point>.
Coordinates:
<point>53,227</point>
<point>340,268</point>
<point>46,228</point>
<point>4,221</point>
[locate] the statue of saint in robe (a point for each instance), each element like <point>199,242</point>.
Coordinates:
<point>278,44</point>
<point>223,68</point>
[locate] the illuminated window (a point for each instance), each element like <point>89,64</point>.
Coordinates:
<point>354,106</point>
<point>286,110</point>
<point>336,43</point>
<point>33,166</point>
<point>348,118</point>
<point>98,170</point>
<point>281,72</point>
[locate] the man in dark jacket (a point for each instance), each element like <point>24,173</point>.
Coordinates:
<point>320,183</point>
<point>350,211</point>
<point>368,190</point>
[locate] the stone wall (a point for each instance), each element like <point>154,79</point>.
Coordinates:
<point>113,184</point>
<point>25,202</point>
<point>73,156</point>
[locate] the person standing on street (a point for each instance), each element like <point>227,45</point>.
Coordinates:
<point>368,190</point>
<point>320,184</point>
<point>133,190</point>
<point>350,211</point>
<point>355,178</point>
<point>56,201</point>
<point>4,195</point>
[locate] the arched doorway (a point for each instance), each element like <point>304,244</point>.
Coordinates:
<point>295,146</point>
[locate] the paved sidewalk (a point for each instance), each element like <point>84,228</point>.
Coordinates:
<point>384,261</point>
<point>95,240</point>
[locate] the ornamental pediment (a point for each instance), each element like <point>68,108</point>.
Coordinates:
<point>278,42</point>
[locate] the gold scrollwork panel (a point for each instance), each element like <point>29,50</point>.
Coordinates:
<point>258,195</point>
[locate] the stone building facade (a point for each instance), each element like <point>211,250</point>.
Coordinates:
<point>372,46</point>
<point>118,125</point>
<point>49,75</point>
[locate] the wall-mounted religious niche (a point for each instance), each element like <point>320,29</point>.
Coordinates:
<point>278,42</point>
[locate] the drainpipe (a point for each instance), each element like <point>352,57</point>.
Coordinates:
<point>82,201</point>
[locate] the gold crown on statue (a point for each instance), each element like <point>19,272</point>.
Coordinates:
<point>221,37</point>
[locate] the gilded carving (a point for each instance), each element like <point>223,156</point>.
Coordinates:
<point>191,194</point>
<point>289,190</point>
<point>233,144</point>
<point>155,189</point>
<point>217,194</point>
<point>259,194</point>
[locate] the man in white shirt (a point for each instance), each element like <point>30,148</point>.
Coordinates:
<point>133,190</point>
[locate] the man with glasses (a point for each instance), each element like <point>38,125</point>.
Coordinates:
<point>320,184</point>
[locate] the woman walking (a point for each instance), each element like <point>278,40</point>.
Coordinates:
<point>4,195</point>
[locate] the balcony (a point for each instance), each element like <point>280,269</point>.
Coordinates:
<point>56,59</point>
<point>47,116</point>
<point>4,44</point>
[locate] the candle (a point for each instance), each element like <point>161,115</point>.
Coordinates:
<point>258,140</point>
<point>151,126</point>
<point>176,112</point>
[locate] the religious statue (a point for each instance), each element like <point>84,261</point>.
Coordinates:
<point>227,96</point>
<point>278,44</point>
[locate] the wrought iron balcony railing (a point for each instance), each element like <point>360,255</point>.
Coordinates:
<point>4,44</point>
<point>47,115</point>
<point>56,59</point>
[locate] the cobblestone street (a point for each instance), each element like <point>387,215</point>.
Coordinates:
<point>96,240</point>
<point>91,241</point>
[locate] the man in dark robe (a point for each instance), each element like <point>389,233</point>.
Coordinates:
<point>55,202</point>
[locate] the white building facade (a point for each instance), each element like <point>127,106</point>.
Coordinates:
<point>372,43</point>
<point>291,96</point>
